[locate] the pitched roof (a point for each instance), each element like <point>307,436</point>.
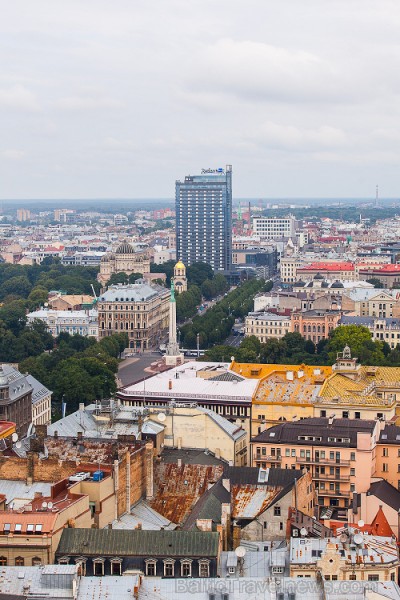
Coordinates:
<point>385,492</point>
<point>319,429</point>
<point>110,542</point>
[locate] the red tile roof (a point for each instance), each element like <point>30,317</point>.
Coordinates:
<point>384,269</point>
<point>324,266</point>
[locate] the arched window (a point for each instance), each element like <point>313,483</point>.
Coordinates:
<point>19,561</point>
<point>36,561</point>
<point>3,561</point>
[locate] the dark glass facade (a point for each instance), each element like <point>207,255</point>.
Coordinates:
<point>204,219</point>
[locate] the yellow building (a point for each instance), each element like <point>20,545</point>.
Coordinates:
<point>345,390</point>
<point>285,392</point>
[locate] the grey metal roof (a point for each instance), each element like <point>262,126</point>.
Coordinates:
<point>17,383</point>
<point>110,542</point>
<point>148,518</point>
<point>19,489</point>
<point>51,581</point>
<point>39,391</point>
<point>125,422</point>
<point>135,292</point>
<point>107,588</point>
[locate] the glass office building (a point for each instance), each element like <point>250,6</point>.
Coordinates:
<point>204,219</point>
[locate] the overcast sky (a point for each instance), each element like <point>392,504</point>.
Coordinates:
<point>120,98</point>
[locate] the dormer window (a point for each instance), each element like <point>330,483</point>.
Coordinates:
<point>169,568</point>
<point>186,568</point>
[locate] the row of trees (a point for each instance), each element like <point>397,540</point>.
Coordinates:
<point>33,282</point>
<point>216,324</point>
<point>294,349</point>
<point>79,369</point>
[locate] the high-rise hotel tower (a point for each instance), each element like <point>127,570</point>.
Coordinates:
<point>204,219</point>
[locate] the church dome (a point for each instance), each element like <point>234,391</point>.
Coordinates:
<point>180,265</point>
<point>125,248</point>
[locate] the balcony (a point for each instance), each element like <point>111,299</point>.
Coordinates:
<point>333,493</point>
<point>328,477</point>
<point>268,458</point>
<point>322,461</point>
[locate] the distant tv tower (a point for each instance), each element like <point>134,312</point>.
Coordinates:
<point>377,196</point>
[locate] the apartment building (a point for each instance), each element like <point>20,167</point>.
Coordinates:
<point>339,453</point>
<point>384,330</point>
<point>140,310</point>
<point>388,274</point>
<point>352,556</point>
<point>265,325</point>
<point>78,322</point>
<point>315,325</point>
<point>328,270</point>
<point>372,302</point>
<point>274,228</point>
<point>289,267</point>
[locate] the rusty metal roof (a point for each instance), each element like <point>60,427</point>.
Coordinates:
<point>249,501</point>
<point>177,489</point>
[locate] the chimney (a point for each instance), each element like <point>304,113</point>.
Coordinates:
<point>149,455</point>
<point>110,526</point>
<point>227,484</point>
<point>217,453</point>
<point>170,384</point>
<point>139,526</point>
<point>179,443</point>
<point>179,463</point>
<point>80,436</point>
<point>81,406</point>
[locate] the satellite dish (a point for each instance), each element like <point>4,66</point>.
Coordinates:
<point>44,504</point>
<point>240,551</point>
<point>161,417</point>
<point>343,538</point>
<point>361,523</point>
<point>358,539</point>
<point>14,437</point>
<point>303,531</point>
<point>50,505</point>
<point>18,445</point>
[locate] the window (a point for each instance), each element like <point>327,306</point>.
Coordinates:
<point>38,528</point>
<point>17,528</point>
<point>352,456</point>
<point>323,413</point>
<point>6,528</point>
<point>168,568</point>
<point>357,415</point>
<point>151,568</point>
<point>204,569</point>
<point>186,568</point>
<point>277,511</point>
<point>352,472</point>
<point>373,577</point>
<point>36,561</point>
<point>19,561</point>
<point>29,528</point>
<point>385,467</point>
<point>352,577</point>
<point>385,451</point>
<point>3,561</point>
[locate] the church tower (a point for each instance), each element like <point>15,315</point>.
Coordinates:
<point>180,281</point>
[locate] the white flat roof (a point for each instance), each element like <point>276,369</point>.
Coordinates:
<point>185,384</point>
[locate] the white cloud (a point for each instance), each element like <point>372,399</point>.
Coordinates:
<point>78,103</point>
<point>12,154</point>
<point>18,97</point>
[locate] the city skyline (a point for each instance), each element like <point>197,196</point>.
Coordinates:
<point>101,101</point>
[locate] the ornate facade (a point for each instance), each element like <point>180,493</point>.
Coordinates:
<point>126,259</point>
